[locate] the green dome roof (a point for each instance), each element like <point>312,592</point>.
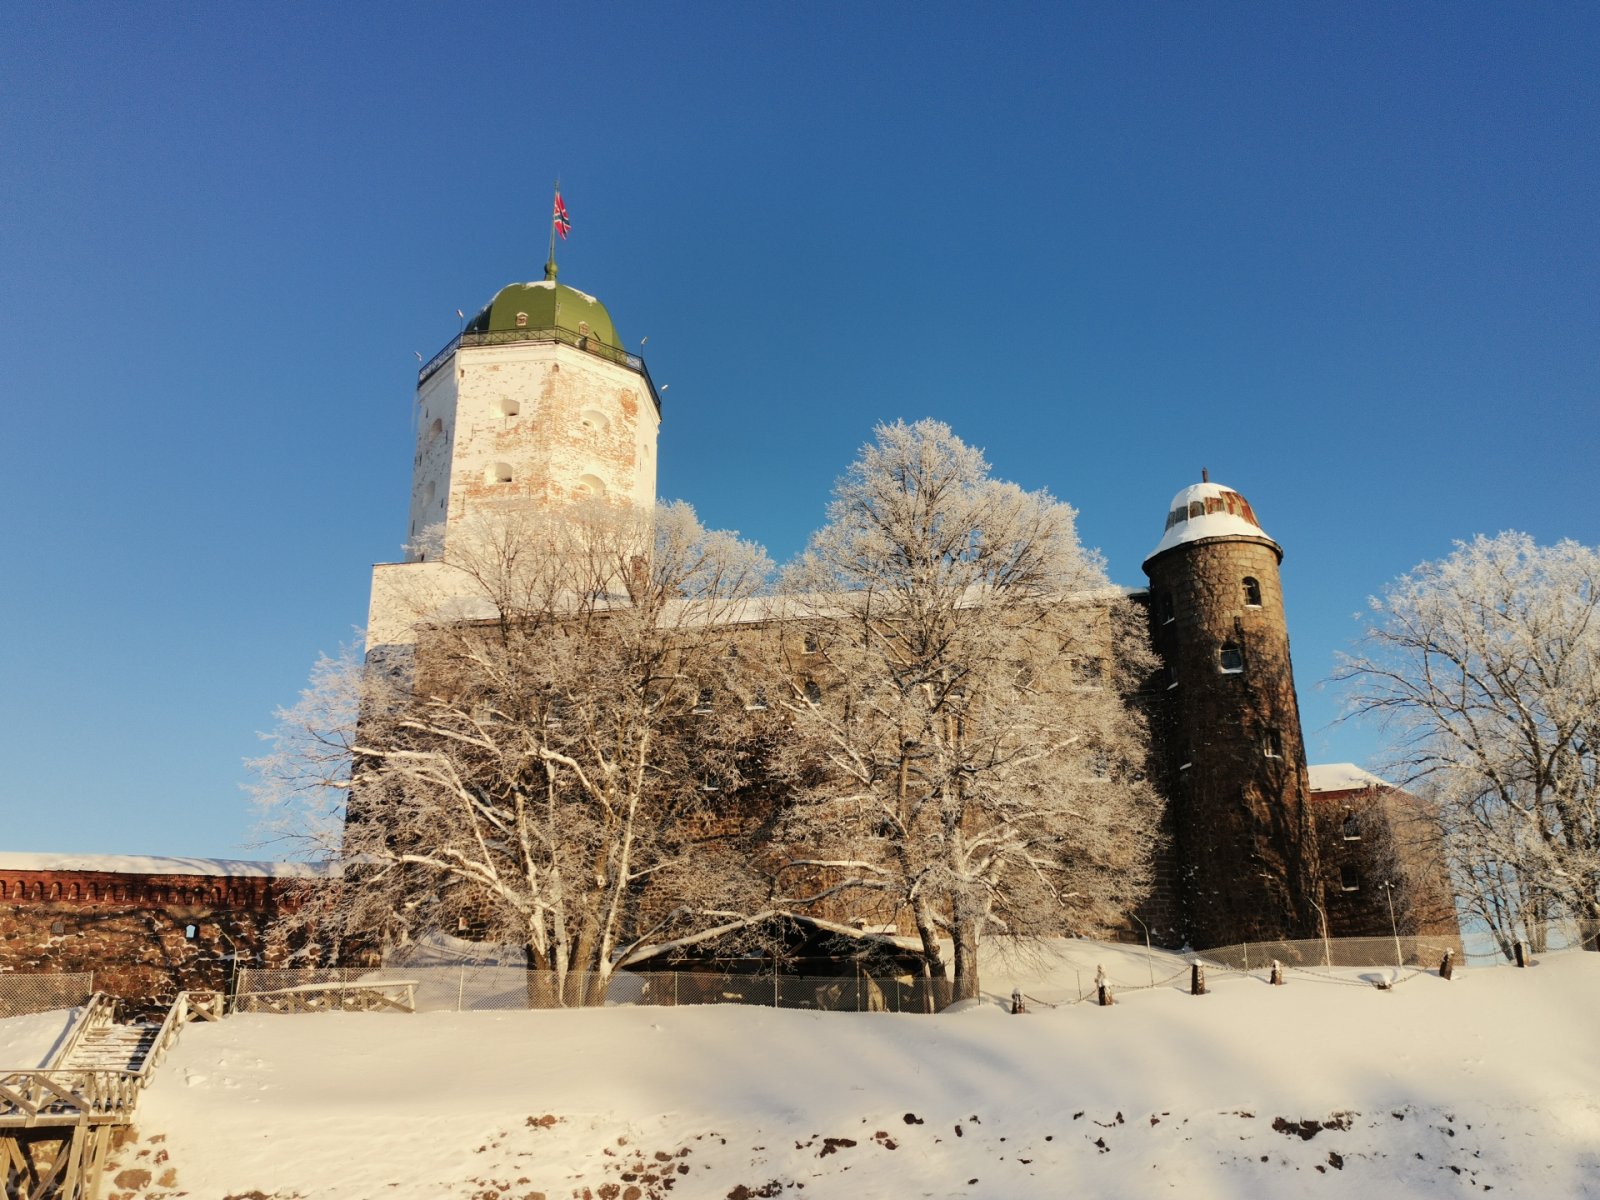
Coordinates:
<point>546,305</point>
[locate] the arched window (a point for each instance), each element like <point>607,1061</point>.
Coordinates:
<point>1252,592</point>
<point>1230,659</point>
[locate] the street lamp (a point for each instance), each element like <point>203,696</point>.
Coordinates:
<point>1327,946</point>
<point>1149,964</point>
<point>1388,891</point>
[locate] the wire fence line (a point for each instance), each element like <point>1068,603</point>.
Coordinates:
<point>22,994</point>
<point>489,988</point>
<point>469,987</point>
<point>1329,953</point>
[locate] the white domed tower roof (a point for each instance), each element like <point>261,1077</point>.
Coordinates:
<point>1210,510</point>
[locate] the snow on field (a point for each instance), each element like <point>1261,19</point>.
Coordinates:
<point>1326,1087</point>
<point>26,1043</point>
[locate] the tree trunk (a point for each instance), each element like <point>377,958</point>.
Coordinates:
<point>966,956</point>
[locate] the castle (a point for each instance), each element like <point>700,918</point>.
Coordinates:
<point>537,402</point>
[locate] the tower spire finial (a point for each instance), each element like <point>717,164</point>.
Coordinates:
<point>1205,475</point>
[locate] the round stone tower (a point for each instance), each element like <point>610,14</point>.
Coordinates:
<point>1243,846</point>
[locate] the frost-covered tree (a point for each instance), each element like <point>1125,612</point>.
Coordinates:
<point>1486,665</point>
<point>550,767</point>
<point>964,753</point>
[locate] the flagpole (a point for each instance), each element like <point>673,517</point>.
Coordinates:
<point>550,263</point>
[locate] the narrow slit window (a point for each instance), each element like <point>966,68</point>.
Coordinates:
<point>1272,744</point>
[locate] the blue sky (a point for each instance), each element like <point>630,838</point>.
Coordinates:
<point>1343,255</point>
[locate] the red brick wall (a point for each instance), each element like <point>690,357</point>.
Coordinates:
<point>134,931</point>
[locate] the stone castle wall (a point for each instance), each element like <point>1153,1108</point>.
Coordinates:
<point>145,937</point>
<point>1368,838</point>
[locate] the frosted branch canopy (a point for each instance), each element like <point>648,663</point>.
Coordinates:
<point>1208,510</point>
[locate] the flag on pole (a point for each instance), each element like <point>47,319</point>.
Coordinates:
<point>563,223</point>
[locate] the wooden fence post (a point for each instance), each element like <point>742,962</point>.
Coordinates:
<point>1197,979</point>
<point>1522,955</point>
<point>1102,988</point>
<point>1447,964</point>
<point>1277,973</point>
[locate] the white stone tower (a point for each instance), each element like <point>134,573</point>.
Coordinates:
<point>535,405</point>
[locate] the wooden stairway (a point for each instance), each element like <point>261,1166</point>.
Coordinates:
<point>112,1048</point>
<point>56,1123</point>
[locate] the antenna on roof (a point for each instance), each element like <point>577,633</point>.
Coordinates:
<point>1205,475</point>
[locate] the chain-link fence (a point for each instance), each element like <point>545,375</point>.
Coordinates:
<point>476,989</point>
<point>1329,953</point>
<point>23,994</point>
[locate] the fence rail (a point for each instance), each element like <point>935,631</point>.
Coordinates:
<point>474,989</point>
<point>21,994</point>
<point>566,337</point>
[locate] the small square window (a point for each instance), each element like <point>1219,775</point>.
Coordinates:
<point>1349,879</point>
<point>702,703</point>
<point>1230,659</point>
<point>1351,828</point>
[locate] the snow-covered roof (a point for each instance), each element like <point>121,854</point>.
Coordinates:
<point>1342,777</point>
<point>146,864</point>
<point>1207,510</point>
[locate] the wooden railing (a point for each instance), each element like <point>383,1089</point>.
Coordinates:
<point>33,1098</point>
<point>189,1006</point>
<point>98,1011</point>
<point>53,1096</point>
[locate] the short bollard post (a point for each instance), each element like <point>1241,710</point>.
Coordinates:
<point>1447,964</point>
<point>1102,988</point>
<point>1277,973</point>
<point>1522,955</point>
<point>1016,1001</point>
<point>1197,980</point>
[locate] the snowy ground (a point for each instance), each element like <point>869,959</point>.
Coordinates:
<point>1321,1088</point>
<point>27,1043</point>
